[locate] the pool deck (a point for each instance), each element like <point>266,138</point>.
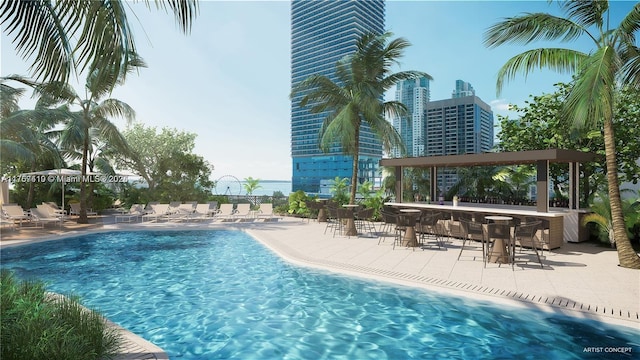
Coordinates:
<point>579,279</point>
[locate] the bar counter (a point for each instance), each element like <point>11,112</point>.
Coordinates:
<point>563,223</point>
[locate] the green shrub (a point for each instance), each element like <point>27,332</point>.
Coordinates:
<point>38,325</point>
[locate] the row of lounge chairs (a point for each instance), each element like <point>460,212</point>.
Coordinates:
<point>39,216</point>
<point>193,211</point>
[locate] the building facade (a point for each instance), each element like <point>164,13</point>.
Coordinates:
<point>415,95</point>
<point>463,89</point>
<point>323,32</point>
<point>462,125</point>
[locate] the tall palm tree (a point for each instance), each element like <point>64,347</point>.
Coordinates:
<point>613,62</point>
<point>357,97</point>
<point>96,32</point>
<point>92,119</point>
<point>24,134</point>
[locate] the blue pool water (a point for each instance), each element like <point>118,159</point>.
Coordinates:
<point>221,295</point>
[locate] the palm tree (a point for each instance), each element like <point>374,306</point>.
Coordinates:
<point>614,62</point>
<point>357,97</point>
<point>25,139</point>
<point>66,34</point>
<point>92,120</point>
<point>251,185</point>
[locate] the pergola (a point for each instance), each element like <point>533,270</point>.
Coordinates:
<point>542,159</point>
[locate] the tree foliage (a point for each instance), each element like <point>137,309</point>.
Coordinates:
<point>541,126</point>
<point>166,162</point>
<point>612,63</point>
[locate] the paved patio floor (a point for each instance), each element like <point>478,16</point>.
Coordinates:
<point>579,279</point>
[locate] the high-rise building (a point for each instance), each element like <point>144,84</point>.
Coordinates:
<point>323,32</point>
<point>463,89</point>
<point>462,125</point>
<point>414,94</point>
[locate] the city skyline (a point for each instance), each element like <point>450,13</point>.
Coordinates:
<point>229,81</point>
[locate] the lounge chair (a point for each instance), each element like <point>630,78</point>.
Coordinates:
<point>226,212</point>
<point>74,209</point>
<point>134,213</point>
<point>158,212</point>
<point>42,217</point>
<point>15,213</point>
<point>5,221</point>
<point>201,212</point>
<point>46,208</point>
<point>266,212</point>
<point>243,212</point>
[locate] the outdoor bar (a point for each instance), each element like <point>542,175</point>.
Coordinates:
<point>564,223</point>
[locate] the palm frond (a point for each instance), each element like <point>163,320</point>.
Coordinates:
<point>591,98</point>
<point>115,108</point>
<point>630,24</point>
<point>11,150</point>
<point>586,12</point>
<point>531,27</point>
<point>41,32</point>
<point>9,98</point>
<point>185,11</point>
<point>557,59</point>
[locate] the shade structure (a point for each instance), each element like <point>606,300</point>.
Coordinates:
<point>55,175</point>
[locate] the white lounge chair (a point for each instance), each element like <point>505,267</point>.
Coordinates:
<point>226,212</point>
<point>42,217</point>
<point>46,208</point>
<point>158,212</point>
<point>15,213</point>
<point>134,213</point>
<point>243,212</point>
<point>74,209</point>
<point>266,212</point>
<point>201,212</point>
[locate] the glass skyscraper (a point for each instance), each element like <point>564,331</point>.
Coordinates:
<point>323,32</point>
<point>415,95</point>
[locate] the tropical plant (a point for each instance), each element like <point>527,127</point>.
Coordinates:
<point>600,215</point>
<point>372,199</point>
<point>37,325</point>
<point>339,189</point>
<point>357,97</point>
<point>94,35</point>
<point>614,62</point>
<point>25,140</point>
<point>91,120</point>
<point>250,185</point>
<point>298,203</point>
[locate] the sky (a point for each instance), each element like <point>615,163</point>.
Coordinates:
<point>228,81</point>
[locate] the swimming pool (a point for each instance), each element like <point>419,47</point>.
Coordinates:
<point>221,294</point>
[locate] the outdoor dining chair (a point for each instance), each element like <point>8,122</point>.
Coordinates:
<point>471,230</point>
<point>525,236</point>
<point>430,228</point>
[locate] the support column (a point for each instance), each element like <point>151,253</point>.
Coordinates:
<point>574,185</point>
<point>542,185</point>
<point>398,174</point>
<point>433,181</point>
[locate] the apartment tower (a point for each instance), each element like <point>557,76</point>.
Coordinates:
<point>323,32</point>
<point>414,94</point>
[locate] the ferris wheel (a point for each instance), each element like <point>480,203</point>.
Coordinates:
<point>228,185</point>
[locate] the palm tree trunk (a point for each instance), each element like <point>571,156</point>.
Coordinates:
<point>82,217</point>
<point>31,188</point>
<point>354,173</point>
<point>626,255</point>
